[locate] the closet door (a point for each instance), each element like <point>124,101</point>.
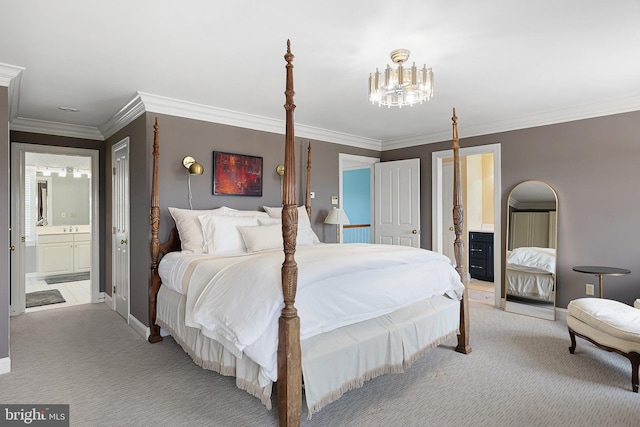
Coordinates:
<point>520,229</point>
<point>529,229</point>
<point>540,229</point>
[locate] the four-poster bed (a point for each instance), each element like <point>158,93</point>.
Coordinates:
<point>193,308</point>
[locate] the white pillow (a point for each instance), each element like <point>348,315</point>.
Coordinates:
<point>189,227</point>
<point>304,225</point>
<point>262,237</point>
<point>221,235</point>
<point>533,257</point>
<point>302,238</point>
<point>236,212</point>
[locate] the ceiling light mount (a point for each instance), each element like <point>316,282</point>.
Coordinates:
<point>68,109</point>
<point>400,87</point>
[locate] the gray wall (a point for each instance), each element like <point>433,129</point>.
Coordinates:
<point>593,165</point>
<point>180,137</point>
<point>4,222</point>
<point>139,214</point>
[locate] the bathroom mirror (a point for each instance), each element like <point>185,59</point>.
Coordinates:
<point>530,259</point>
<point>43,201</point>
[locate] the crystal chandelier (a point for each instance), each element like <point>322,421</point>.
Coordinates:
<point>402,86</point>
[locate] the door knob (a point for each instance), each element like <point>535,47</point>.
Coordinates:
<point>123,241</point>
<point>12,248</point>
<point>414,231</point>
<point>450,228</point>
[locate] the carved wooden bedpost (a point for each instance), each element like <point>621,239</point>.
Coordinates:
<point>154,278</point>
<point>458,221</point>
<point>289,385</point>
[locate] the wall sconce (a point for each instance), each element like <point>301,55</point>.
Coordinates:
<point>338,217</point>
<point>193,168</point>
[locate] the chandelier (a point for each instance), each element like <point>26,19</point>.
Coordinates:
<point>402,86</point>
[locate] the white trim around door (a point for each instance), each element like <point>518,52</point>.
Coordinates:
<point>438,193</point>
<point>352,162</point>
<point>18,151</point>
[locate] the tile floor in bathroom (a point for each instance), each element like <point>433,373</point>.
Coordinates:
<point>73,292</point>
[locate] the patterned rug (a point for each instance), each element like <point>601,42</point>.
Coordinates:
<point>36,299</point>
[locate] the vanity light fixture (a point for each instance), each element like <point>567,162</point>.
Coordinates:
<point>193,168</point>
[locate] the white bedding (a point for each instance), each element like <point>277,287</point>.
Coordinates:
<point>532,259</point>
<point>538,285</point>
<point>337,285</point>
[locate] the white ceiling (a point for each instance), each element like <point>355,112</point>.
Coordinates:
<point>503,64</point>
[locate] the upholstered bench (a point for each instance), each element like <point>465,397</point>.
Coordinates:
<point>610,325</point>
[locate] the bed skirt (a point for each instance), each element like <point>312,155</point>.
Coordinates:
<point>355,353</point>
<point>539,286</point>
<point>206,352</point>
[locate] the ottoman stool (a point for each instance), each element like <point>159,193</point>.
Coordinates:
<point>610,325</point>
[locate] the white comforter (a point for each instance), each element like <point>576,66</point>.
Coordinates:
<point>237,300</point>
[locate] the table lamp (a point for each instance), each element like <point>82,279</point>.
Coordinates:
<point>338,217</point>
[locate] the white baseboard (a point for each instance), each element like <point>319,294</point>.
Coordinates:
<point>101,296</point>
<point>139,327</point>
<point>5,365</point>
<point>107,299</point>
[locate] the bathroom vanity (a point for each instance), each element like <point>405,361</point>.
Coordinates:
<point>63,250</point>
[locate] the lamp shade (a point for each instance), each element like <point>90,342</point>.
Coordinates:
<point>337,216</point>
<point>196,169</point>
<point>192,166</point>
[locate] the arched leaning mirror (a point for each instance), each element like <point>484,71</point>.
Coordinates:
<point>530,260</point>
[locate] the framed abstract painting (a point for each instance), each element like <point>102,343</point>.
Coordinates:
<point>236,174</point>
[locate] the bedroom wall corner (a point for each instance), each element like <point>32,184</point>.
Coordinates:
<point>139,215</point>
<point>4,224</point>
<point>592,165</point>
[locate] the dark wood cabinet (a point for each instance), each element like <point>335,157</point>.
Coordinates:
<point>481,256</point>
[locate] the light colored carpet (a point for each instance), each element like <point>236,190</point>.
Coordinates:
<point>519,373</point>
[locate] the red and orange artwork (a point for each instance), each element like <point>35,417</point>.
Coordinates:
<point>236,174</point>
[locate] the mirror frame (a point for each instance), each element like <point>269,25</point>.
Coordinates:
<point>508,248</point>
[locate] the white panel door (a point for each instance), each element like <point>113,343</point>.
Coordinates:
<point>397,203</point>
<point>120,223</point>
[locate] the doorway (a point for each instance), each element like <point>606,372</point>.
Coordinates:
<point>356,195</point>
<point>54,224</point>
<point>442,205</point>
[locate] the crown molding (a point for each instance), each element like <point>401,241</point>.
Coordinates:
<point>586,111</point>
<point>9,72</point>
<point>54,128</point>
<point>11,77</point>
<point>174,107</point>
<point>130,111</point>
